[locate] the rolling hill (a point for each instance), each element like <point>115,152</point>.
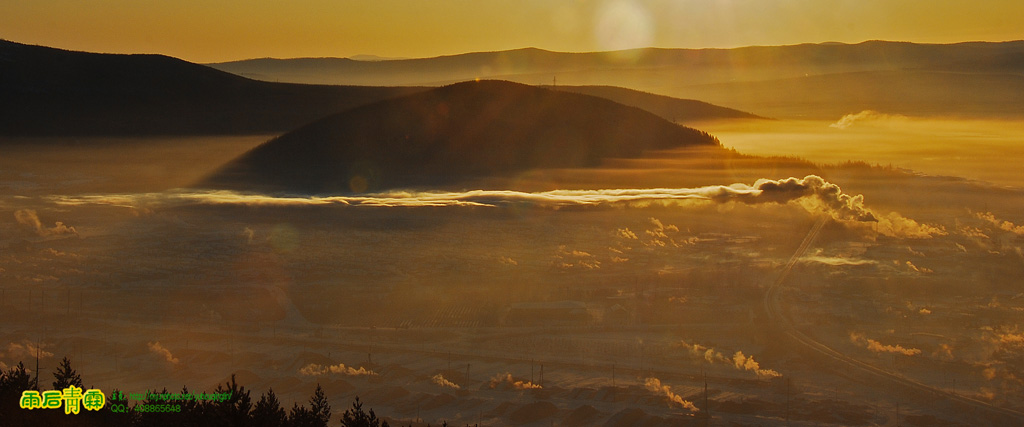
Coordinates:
<point>47,91</point>
<point>451,134</point>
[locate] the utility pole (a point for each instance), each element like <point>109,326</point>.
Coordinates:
<point>787,401</point>
<point>707,409</point>
<point>37,365</point>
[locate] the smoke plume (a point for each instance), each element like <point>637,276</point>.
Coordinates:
<point>738,360</point>
<point>157,348</point>
<point>878,347</point>
<point>512,382</point>
<point>867,115</point>
<point>748,363</point>
<point>316,370</point>
<point>29,219</point>
<point>1002,225</point>
<point>654,385</point>
<point>625,233</point>
<point>443,382</point>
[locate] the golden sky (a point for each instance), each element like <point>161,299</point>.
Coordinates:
<point>222,30</point>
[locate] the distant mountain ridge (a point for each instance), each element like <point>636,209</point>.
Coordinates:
<point>451,134</point>
<point>721,76</point>
<point>788,61</point>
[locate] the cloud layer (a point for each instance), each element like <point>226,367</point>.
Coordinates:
<point>811,192</point>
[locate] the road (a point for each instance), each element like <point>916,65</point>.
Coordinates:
<point>772,307</point>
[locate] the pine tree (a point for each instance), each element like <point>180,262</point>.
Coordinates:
<point>300,416</point>
<point>235,410</point>
<point>13,382</point>
<point>355,417</point>
<point>319,406</point>
<point>268,411</point>
<point>66,376</point>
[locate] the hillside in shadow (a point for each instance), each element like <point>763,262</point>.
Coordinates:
<point>55,92</point>
<point>450,134</point>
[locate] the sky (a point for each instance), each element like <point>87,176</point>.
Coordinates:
<point>222,30</point>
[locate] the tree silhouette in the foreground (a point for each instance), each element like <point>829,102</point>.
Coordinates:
<point>356,417</point>
<point>318,414</point>
<point>236,410</point>
<point>12,382</point>
<point>66,376</point>
<point>268,411</point>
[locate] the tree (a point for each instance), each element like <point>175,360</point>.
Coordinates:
<point>318,414</point>
<point>268,411</point>
<point>355,417</point>
<point>231,412</point>
<point>12,383</point>
<point>319,406</point>
<point>66,376</point>
<point>300,416</point>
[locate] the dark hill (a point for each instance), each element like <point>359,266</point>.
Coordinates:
<point>47,91</point>
<point>449,134</point>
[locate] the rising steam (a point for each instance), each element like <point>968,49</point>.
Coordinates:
<point>443,382</point>
<point>1002,225</point>
<point>878,347</point>
<point>738,360</point>
<point>864,116</point>
<point>654,385</point>
<point>157,348</point>
<point>316,370</point>
<point>29,219</point>
<point>748,363</point>
<point>507,379</point>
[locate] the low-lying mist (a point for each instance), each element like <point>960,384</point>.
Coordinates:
<point>604,294</point>
<point>988,150</point>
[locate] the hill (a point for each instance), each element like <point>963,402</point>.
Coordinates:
<point>49,91</point>
<point>450,134</point>
<point>666,107</point>
<point>744,78</point>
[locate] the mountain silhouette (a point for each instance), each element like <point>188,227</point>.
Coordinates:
<point>450,134</point>
<point>49,91</point>
<point>820,81</point>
